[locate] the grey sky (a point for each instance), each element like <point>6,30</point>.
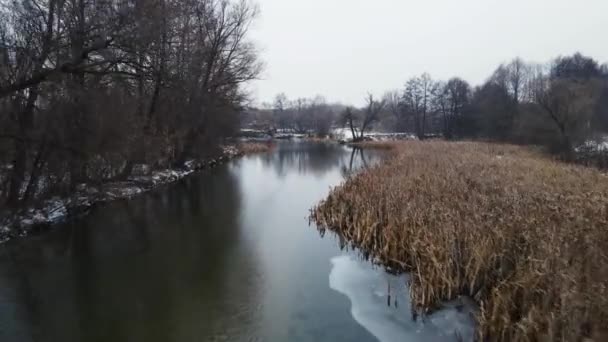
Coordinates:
<point>344,48</point>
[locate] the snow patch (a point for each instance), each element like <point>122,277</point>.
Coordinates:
<point>347,135</point>
<point>126,191</point>
<point>57,209</point>
<point>389,317</point>
<point>596,145</point>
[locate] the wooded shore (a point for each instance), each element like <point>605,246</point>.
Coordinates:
<point>45,214</point>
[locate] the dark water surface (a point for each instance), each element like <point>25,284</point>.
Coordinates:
<point>225,255</point>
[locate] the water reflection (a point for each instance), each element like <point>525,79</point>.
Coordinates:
<point>227,255</point>
<point>316,158</point>
<point>359,161</point>
<point>155,269</point>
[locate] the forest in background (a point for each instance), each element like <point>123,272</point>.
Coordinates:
<point>90,89</point>
<point>562,105</point>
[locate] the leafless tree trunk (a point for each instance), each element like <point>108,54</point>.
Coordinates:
<point>90,88</point>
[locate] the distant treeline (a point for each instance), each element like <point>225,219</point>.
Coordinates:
<point>560,105</point>
<point>88,89</point>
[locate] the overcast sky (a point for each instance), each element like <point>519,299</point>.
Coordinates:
<point>343,49</point>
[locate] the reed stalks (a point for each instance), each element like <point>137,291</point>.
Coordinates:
<point>254,147</point>
<point>526,237</point>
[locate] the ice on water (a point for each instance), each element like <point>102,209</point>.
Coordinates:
<point>367,287</point>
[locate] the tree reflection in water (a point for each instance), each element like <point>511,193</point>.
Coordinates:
<point>318,158</point>
<point>357,162</point>
<point>216,256</point>
<point>128,270</point>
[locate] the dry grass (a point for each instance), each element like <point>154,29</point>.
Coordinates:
<point>254,147</point>
<point>524,236</point>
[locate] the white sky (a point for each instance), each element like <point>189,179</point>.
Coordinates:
<point>343,49</point>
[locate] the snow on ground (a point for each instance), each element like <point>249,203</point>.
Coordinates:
<point>57,209</point>
<point>342,133</point>
<point>4,233</point>
<point>51,211</point>
<point>346,135</point>
<point>123,191</point>
<point>599,144</point>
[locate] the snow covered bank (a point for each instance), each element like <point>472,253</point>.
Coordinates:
<point>279,134</point>
<point>346,135</point>
<point>597,145</point>
<point>380,303</point>
<point>59,209</point>
<point>593,153</point>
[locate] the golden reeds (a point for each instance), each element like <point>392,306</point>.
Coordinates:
<point>255,147</point>
<point>524,236</point>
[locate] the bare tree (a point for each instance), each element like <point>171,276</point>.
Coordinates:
<point>442,106</point>
<point>280,108</point>
<point>517,74</point>
<point>418,99</point>
<point>569,105</point>
<point>301,114</point>
<point>89,88</point>
<point>322,116</point>
<point>457,93</point>
<point>395,105</point>
<point>428,91</point>
<point>412,99</point>
<point>362,120</point>
<point>304,115</point>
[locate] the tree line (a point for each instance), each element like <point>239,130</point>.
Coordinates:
<point>91,88</point>
<point>560,105</point>
<point>313,116</point>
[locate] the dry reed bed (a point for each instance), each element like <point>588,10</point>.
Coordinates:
<point>524,236</point>
<point>254,147</point>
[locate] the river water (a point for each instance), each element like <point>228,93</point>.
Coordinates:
<point>225,255</point>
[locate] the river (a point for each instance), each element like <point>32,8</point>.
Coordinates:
<point>224,255</point>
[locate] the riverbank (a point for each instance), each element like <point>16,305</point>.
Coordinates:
<point>523,235</point>
<point>47,213</point>
<point>340,135</point>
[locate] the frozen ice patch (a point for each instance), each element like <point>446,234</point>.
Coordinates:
<point>389,318</point>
